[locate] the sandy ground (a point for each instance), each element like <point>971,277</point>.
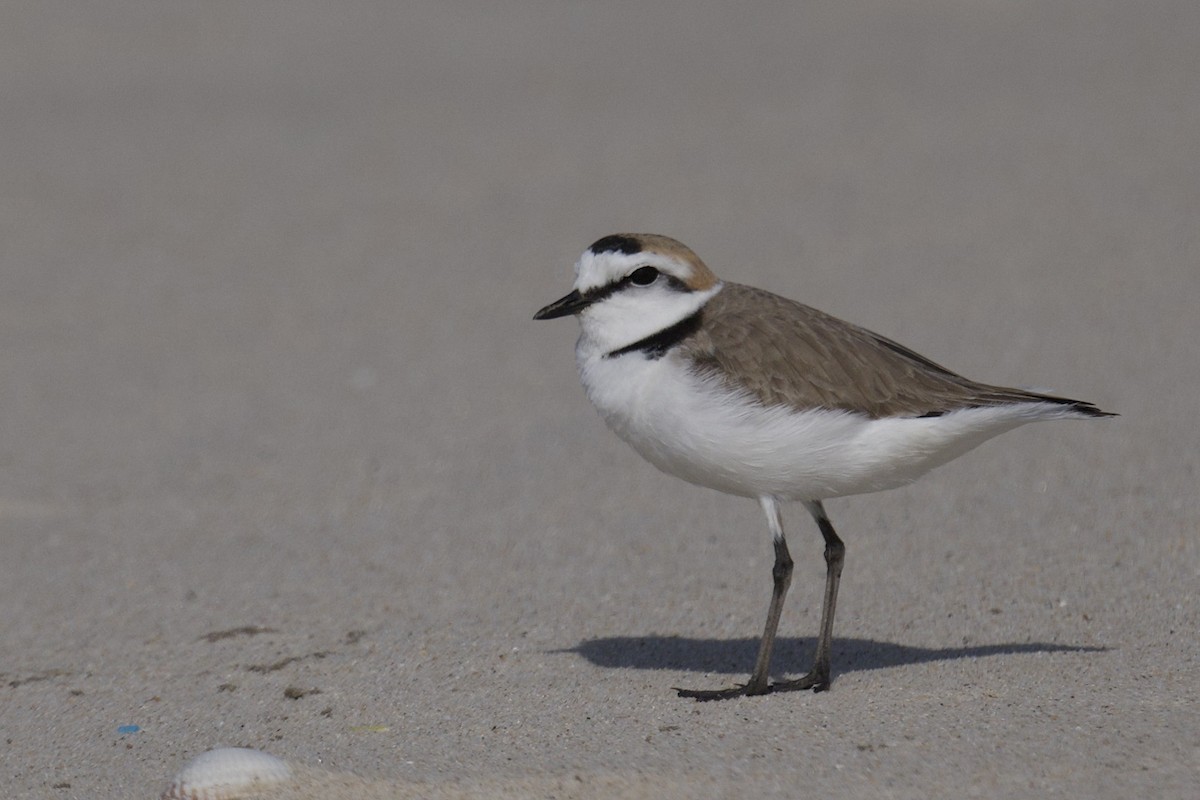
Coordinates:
<point>286,465</point>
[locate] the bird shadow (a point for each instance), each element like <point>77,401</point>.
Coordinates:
<point>791,653</point>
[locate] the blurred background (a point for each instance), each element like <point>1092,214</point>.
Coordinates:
<point>267,364</point>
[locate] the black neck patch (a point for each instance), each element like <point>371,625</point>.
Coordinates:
<point>616,244</point>
<point>656,345</point>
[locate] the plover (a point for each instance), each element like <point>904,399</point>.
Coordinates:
<point>741,390</point>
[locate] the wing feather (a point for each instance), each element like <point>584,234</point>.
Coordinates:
<point>786,353</point>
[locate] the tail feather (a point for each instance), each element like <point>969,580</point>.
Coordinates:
<point>1090,410</point>
<point>1080,408</point>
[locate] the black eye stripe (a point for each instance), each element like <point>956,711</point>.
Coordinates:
<point>603,292</point>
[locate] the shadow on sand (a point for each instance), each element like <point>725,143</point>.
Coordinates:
<point>792,654</point>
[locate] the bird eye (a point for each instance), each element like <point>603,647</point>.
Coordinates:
<point>643,276</point>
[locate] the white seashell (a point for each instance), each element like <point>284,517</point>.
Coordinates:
<point>226,773</point>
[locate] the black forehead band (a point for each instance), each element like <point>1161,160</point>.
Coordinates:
<point>617,244</point>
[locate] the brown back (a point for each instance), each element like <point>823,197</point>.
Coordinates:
<point>789,354</point>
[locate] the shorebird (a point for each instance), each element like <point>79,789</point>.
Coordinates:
<point>741,390</point>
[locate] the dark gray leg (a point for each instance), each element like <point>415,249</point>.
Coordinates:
<point>818,677</point>
<point>835,555</point>
<point>781,575</point>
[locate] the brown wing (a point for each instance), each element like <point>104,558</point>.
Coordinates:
<point>786,353</point>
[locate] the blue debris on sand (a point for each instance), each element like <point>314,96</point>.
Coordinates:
<point>127,729</point>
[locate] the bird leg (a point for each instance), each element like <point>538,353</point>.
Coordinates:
<point>818,677</point>
<point>781,575</point>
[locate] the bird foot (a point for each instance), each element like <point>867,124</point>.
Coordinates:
<point>705,695</point>
<point>817,680</point>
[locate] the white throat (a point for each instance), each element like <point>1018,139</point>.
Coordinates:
<point>629,316</point>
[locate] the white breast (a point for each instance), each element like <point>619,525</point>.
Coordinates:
<point>702,432</point>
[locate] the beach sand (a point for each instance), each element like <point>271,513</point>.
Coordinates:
<point>286,465</point>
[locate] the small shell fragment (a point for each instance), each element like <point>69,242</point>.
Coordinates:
<point>226,773</point>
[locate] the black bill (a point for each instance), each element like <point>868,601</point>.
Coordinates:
<point>571,304</point>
